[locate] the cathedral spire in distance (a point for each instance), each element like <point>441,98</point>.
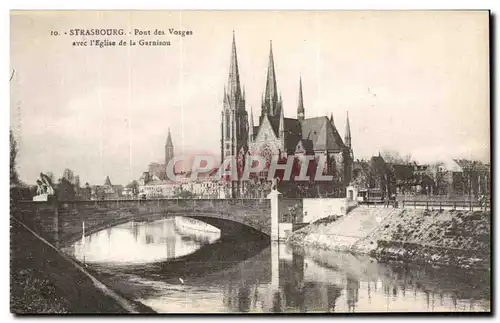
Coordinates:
<point>169,148</point>
<point>233,83</point>
<point>300,107</point>
<point>169,138</point>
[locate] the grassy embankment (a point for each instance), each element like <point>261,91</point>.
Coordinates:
<point>452,237</point>
<point>43,281</point>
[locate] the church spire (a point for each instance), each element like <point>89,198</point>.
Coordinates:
<point>300,108</point>
<point>271,94</point>
<point>347,137</point>
<point>233,83</point>
<point>250,131</point>
<point>331,119</point>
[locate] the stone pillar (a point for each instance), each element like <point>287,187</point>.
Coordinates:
<point>274,197</point>
<point>275,266</point>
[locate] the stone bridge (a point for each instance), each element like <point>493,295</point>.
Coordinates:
<point>61,221</point>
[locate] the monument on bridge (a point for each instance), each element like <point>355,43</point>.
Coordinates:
<point>44,189</point>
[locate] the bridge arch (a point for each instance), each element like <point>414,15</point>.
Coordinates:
<point>62,220</point>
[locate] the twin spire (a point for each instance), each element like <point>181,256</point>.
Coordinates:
<point>271,103</point>
<point>271,94</point>
<point>233,83</point>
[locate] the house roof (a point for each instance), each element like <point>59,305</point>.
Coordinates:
<point>360,164</point>
<point>404,172</point>
<point>452,166</point>
<point>471,164</point>
<point>378,164</point>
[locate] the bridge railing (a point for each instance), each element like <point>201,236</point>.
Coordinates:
<point>446,204</point>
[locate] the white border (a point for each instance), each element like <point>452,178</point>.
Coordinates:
<point>185,4</point>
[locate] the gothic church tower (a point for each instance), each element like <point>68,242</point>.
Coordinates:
<point>271,103</point>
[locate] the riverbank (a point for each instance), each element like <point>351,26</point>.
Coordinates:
<point>447,238</point>
<point>43,281</point>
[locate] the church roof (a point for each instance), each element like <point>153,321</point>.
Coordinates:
<point>293,133</point>
<point>307,145</point>
<point>322,133</point>
<point>319,131</point>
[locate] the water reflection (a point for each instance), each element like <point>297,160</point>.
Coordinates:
<point>145,242</point>
<point>222,278</point>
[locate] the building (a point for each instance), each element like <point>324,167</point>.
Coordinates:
<point>275,135</point>
<point>106,191</point>
<point>462,177</point>
<point>205,185</point>
<point>86,192</point>
<point>156,170</point>
<point>158,189</point>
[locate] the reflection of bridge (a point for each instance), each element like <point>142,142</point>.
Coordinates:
<point>62,221</point>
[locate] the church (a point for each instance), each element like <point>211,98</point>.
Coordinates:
<point>275,135</point>
<point>157,171</point>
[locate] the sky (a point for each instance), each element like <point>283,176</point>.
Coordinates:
<point>412,82</point>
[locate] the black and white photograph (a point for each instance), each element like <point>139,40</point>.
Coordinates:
<point>276,162</point>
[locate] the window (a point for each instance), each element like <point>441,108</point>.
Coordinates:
<point>227,126</point>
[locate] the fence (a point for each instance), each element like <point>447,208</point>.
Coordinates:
<point>431,204</point>
<point>445,204</point>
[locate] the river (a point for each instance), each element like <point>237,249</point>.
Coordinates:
<point>176,265</point>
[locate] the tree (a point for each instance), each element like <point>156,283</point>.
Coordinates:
<point>183,194</point>
<point>394,157</point>
<point>134,187</point>
<point>14,177</point>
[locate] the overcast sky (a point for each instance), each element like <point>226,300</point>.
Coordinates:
<point>414,82</point>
